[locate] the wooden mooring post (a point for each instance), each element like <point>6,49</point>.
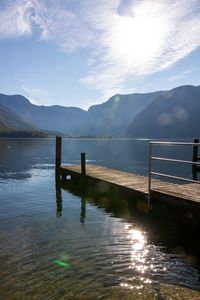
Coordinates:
<point>83,169</point>
<point>58,151</point>
<point>195,158</point>
<point>58,160</point>
<point>59,157</point>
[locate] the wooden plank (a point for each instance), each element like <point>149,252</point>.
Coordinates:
<point>136,183</point>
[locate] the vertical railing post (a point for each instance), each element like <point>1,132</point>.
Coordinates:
<point>194,159</point>
<point>150,163</point>
<point>58,151</point>
<point>83,171</point>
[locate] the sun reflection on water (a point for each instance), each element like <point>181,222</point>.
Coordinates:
<point>138,250</point>
<point>142,266</point>
<point>139,261</point>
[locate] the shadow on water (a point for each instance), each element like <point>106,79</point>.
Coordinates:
<point>174,227</point>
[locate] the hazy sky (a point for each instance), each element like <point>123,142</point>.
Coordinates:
<point>81,52</point>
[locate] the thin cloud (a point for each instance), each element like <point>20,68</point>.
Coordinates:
<point>183,74</point>
<point>33,93</point>
<point>61,24</point>
<point>125,39</point>
<point>15,19</point>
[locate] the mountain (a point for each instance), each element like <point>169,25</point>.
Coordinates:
<point>112,117</point>
<point>56,118</point>
<point>173,114</point>
<point>10,120</point>
<point>13,126</point>
<point>162,114</point>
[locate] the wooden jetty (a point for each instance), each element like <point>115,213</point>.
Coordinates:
<point>134,184</point>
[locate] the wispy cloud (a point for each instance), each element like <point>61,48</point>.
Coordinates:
<point>62,23</point>
<point>15,19</point>
<point>181,75</point>
<point>125,39</point>
<point>33,93</point>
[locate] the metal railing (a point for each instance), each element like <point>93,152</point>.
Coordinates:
<point>193,163</point>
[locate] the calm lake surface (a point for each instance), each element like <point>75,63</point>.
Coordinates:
<point>66,243</point>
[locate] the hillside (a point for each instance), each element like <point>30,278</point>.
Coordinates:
<point>12,133</point>
<point>174,114</point>
<point>9,119</point>
<point>13,126</point>
<point>56,118</point>
<point>113,117</point>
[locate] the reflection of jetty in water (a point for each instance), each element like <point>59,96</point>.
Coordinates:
<point>176,228</point>
<point>59,186</point>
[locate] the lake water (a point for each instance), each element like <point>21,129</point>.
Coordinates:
<point>66,243</point>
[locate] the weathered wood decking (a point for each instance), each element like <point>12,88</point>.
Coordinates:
<point>135,183</point>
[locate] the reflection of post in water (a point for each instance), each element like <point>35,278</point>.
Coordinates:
<point>58,200</point>
<point>83,210</point>
<point>57,176</point>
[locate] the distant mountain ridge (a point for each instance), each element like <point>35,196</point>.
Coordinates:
<point>112,117</point>
<point>10,120</point>
<point>13,126</point>
<point>163,114</point>
<point>174,114</point>
<point>56,118</point>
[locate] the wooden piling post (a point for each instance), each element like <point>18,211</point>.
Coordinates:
<point>58,151</point>
<point>83,171</point>
<point>195,159</point>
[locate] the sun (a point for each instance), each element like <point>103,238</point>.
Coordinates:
<point>139,37</point>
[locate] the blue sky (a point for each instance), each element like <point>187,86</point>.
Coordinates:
<point>79,53</point>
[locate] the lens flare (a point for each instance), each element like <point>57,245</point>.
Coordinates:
<point>61,263</point>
